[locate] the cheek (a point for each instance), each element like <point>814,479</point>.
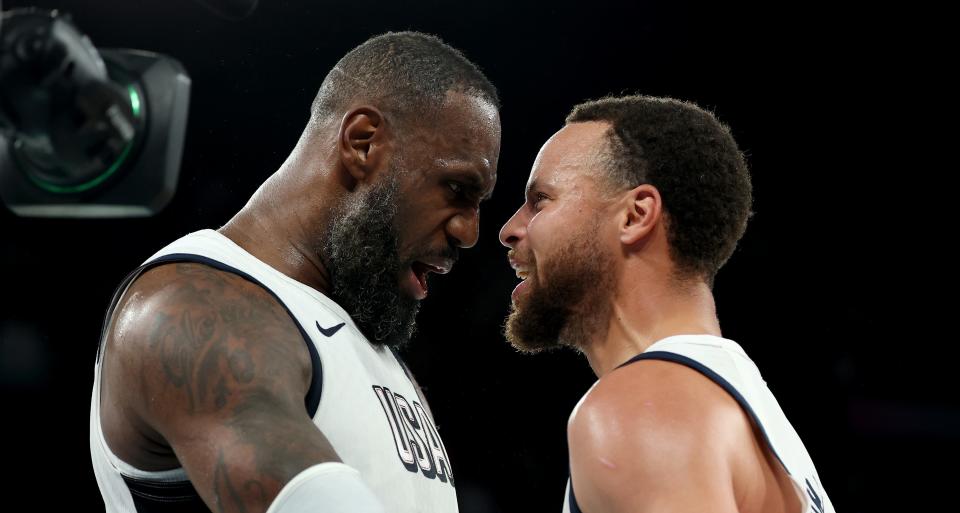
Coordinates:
<point>557,221</point>
<point>546,232</point>
<point>551,230</point>
<point>420,230</point>
<point>538,233</point>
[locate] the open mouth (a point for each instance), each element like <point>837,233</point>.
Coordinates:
<point>523,273</point>
<point>416,276</point>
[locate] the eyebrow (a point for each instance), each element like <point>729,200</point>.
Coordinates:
<point>532,186</point>
<point>489,194</point>
<point>473,178</point>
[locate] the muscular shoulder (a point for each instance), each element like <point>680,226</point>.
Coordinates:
<point>202,334</point>
<point>649,420</point>
<point>212,372</point>
<point>653,393</point>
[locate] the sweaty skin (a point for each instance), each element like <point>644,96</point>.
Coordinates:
<point>193,383</point>
<point>206,371</point>
<point>653,435</point>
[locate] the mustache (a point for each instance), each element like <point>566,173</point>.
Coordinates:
<point>528,257</point>
<point>446,252</point>
<point>451,252</point>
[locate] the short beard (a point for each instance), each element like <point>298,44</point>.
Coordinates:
<point>572,308</point>
<point>364,262</point>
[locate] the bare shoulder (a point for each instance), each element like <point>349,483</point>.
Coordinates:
<point>650,393</point>
<point>187,339</point>
<point>650,419</point>
<point>182,325</point>
<point>213,370</point>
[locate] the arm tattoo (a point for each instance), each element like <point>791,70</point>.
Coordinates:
<point>220,345</point>
<point>205,339</point>
<point>224,490</point>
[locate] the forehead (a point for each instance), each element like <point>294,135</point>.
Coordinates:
<point>572,154</point>
<point>469,114</point>
<point>464,133</point>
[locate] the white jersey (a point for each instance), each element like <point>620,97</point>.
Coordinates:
<point>725,363</point>
<point>361,398</point>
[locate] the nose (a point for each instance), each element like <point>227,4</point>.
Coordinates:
<point>464,227</point>
<point>513,230</point>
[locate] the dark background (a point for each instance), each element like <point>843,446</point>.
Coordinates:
<point>821,292</point>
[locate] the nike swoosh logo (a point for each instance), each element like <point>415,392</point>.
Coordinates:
<point>329,332</point>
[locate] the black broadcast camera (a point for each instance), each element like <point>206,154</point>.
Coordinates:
<point>85,132</point>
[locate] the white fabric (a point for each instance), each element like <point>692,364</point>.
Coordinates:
<point>327,487</point>
<point>369,409</point>
<point>728,360</point>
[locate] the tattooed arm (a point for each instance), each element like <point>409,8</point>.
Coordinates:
<point>211,368</point>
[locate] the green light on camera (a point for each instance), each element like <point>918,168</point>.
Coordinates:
<point>134,101</point>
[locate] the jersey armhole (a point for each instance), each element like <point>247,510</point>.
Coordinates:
<point>712,376</point>
<point>312,397</point>
<point>716,378</point>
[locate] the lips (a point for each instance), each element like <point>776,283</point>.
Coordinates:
<point>523,272</point>
<point>415,279</point>
<point>519,289</point>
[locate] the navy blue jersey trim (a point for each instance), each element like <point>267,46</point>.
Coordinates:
<point>164,497</point>
<point>403,364</point>
<point>312,399</point>
<point>413,381</point>
<point>180,496</point>
<point>716,378</point>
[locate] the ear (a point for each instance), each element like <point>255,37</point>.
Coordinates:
<point>643,209</point>
<point>363,142</point>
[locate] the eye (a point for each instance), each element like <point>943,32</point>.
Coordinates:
<point>539,198</point>
<point>464,193</point>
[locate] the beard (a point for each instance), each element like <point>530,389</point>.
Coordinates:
<point>572,307</point>
<point>364,262</point>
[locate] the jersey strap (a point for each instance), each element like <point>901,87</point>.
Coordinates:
<point>180,496</point>
<point>709,373</point>
<point>716,378</point>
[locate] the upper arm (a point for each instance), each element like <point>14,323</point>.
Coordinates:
<point>222,371</point>
<point>655,438</point>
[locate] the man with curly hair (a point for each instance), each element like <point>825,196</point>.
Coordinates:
<point>630,211</point>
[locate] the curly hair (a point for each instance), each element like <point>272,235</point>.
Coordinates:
<point>692,160</point>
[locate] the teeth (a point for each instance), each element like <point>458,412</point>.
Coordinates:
<point>522,274</point>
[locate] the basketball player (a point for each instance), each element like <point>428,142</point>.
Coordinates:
<point>252,368</point>
<point>631,208</point>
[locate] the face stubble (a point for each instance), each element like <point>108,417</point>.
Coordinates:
<point>572,305</point>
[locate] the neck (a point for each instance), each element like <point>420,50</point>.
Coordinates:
<point>283,227</point>
<point>645,315</point>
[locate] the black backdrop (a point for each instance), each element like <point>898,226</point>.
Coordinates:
<point>818,293</point>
